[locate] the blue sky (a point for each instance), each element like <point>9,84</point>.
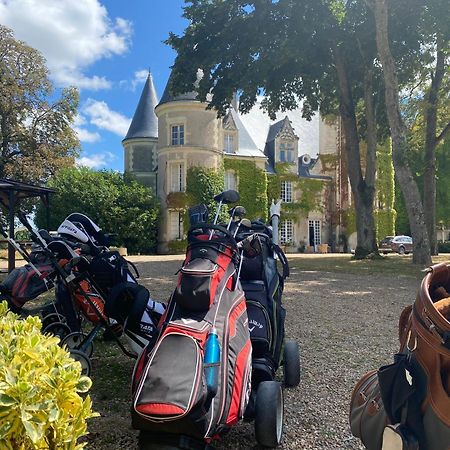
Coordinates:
<point>105,48</point>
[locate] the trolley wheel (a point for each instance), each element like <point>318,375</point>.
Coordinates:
<point>291,364</point>
<point>83,359</point>
<point>76,341</point>
<point>269,412</point>
<point>52,318</point>
<point>58,329</point>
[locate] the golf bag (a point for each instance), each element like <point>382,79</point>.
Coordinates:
<point>263,286</point>
<point>406,405</point>
<point>131,306</point>
<point>172,389</point>
<point>24,284</point>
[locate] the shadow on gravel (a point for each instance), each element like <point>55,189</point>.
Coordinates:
<point>346,324</point>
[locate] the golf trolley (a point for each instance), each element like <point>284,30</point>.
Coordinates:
<point>82,288</point>
<point>263,286</point>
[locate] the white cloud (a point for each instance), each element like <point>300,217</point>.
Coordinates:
<point>72,35</point>
<point>140,76</point>
<point>101,116</point>
<point>83,134</point>
<point>96,160</point>
<point>86,135</point>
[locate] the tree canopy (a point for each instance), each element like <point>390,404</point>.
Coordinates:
<point>36,138</point>
<point>317,53</point>
<point>115,202</point>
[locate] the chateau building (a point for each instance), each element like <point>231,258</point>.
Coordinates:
<point>172,140</point>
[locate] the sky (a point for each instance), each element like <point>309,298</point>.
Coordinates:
<point>105,48</point>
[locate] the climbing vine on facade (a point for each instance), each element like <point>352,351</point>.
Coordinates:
<point>202,184</point>
<point>309,189</point>
<point>385,213</point>
<point>252,186</point>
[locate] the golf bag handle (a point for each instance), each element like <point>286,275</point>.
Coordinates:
<point>282,258</point>
<point>205,227</point>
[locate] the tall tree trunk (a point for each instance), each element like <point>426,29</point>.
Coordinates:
<point>429,178</point>
<point>408,185</point>
<point>363,193</point>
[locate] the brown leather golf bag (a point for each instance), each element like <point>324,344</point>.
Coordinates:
<point>406,405</point>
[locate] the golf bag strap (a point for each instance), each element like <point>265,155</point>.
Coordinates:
<point>135,269</point>
<point>282,257</point>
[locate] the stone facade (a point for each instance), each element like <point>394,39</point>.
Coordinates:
<point>190,135</point>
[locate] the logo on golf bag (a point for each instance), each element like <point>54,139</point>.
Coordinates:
<point>255,325</point>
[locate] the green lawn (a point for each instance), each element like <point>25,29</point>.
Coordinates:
<point>394,264</point>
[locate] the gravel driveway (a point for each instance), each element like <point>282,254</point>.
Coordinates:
<point>345,325</point>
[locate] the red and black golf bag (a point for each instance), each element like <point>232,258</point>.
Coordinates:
<point>172,398</point>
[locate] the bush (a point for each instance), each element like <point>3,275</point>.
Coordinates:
<point>40,405</point>
<point>117,203</point>
<point>444,247</point>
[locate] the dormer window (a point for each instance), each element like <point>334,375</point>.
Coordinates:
<point>177,135</point>
<point>228,143</point>
<point>287,152</point>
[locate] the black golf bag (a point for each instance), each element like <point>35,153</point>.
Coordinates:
<point>171,395</point>
<point>263,285</point>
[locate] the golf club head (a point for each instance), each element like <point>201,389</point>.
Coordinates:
<point>238,211</point>
<point>227,197</point>
<point>246,223</point>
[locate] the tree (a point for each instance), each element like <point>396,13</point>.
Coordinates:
<point>411,194</point>
<point>115,202</point>
<point>429,104</point>
<point>36,138</point>
<point>319,53</point>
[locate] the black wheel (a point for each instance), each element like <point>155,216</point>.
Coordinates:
<point>269,412</point>
<point>401,250</point>
<point>52,318</point>
<point>291,364</point>
<point>76,341</point>
<point>58,329</point>
<point>83,359</point>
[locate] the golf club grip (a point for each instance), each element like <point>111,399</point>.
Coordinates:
<point>206,227</point>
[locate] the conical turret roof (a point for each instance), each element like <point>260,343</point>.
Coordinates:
<point>145,122</point>
<point>169,97</point>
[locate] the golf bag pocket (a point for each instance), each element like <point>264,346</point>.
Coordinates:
<point>108,269</point>
<point>172,383</point>
<point>89,302</point>
<point>368,417</point>
<point>24,284</point>
<point>197,285</point>
<point>260,328</point>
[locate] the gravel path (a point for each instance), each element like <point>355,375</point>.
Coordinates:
<point>345,325</point>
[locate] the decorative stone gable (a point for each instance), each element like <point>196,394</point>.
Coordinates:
<point>287,132</point>
<point>228,123</point>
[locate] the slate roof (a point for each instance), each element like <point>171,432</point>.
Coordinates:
<point>275,129</point>
<point>258,125</point>
<point>169,97</point>
<point>304,170</point>
<point>247,146</point>
<point>145,122</point>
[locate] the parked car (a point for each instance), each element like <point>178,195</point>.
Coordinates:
<point>385,245</point>
<point>402,245</point>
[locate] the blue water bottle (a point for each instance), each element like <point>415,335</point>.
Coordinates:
<point>212,362</point>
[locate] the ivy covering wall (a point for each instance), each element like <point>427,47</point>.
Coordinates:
<point>385,214</point>
<point>252,186</point>
<point>202,184</point>
<point>310,192</point>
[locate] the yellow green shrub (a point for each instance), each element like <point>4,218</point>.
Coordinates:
<point>40,387</point>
